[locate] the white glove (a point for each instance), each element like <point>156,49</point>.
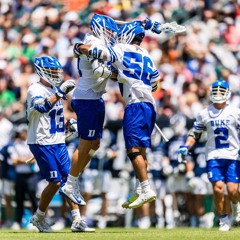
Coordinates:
<point>65,88</point>
<point>100,69</point>
<point>182,153</point>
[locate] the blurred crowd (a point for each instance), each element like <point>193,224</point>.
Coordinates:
<point>188,62</point>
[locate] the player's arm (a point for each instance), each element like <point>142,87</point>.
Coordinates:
<point>98,66</point>
<point>44,105</point>
<point>193,136</point>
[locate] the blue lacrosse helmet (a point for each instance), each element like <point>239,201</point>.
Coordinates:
<point>220,91</point>
<point>104,27</point>
<point>49,69</point>
<point>128,31</point>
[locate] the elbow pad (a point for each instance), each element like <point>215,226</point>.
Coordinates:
<point>195,135</point>
<point>76,51</point>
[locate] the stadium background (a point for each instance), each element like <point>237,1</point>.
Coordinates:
<point>188,62</point>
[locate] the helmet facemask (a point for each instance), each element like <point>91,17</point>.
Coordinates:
<point>49,69</point>
<point>129,31</point>
<point>104,28</point>
<point>219,94</point>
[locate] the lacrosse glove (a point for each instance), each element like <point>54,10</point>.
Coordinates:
<point>65,88</point>
<point>182,153</point>
<point>153,26</point>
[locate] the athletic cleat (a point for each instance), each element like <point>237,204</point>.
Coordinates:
<point>143,198</point>
<point>130,200</point>
<point>75,197</point>
<point>41,225</point>
<point>224,224</point>
<point>81,226</point>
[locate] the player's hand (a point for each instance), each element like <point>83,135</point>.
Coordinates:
<point>76,51</point>
<point>154,26</point>
<point>182,153</point>
<point>100,69</point>
<point>65,88</point>
<point>71,130</point>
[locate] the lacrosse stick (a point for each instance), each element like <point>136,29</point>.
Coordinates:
<point>28,161</point>
<point>171,27</point>
<point>161,133</point>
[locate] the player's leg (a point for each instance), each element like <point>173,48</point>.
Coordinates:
<point>48,161</point>
<point>90,118</point>
<point>232,185</point>
<point>105,180</point>
<point>216,175</point>
<point>137,134</point>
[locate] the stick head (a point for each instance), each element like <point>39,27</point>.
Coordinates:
<point>173,27</point>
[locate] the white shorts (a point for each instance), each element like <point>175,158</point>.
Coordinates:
<point>93,180</point>
<point>177,183</point>
<point>8,187</point>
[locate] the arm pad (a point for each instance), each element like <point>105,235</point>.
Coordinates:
<point>43,105</point>
<point>195,135</point>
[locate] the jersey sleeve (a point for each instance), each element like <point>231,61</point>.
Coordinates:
<point>198,125</point>
<point>38,102</point>
<point>114,54</point>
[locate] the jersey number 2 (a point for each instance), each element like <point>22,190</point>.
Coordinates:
<point>222,138</point>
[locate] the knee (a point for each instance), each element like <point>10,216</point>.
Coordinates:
<point>54,185</point>
<point>133,155</point>
<point>96,145</point>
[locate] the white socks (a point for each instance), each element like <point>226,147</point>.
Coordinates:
<point>145,185</point>
<point>40,214</point>
<point>71,182</point>
<point>76,215</point>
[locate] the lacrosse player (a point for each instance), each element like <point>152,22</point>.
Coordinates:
<point>137,78</point>
<point>87,100</point>
<point>221,121</point>
<point>46,136</point>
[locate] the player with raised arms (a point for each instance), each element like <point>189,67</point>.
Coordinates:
<point>137,77</point>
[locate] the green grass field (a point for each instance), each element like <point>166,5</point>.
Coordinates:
<point>126,234</point>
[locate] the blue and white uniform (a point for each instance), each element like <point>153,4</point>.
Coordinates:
<point>222,147</point>
<point>87,99</point>
<point>46,137</point>
<point>136,74</point>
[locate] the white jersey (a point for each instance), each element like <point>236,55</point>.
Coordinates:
<point>44,128</point>
<point>136,72</point>
<point>222,127</point>
<point>88,86</point>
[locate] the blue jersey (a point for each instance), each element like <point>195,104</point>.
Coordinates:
<point>171,148</point>
<point>199,159</point>
<point>8,170</point>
